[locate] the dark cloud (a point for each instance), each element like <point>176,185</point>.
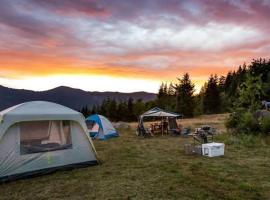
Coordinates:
<point>72,7</point>
<point>249,12</point>
<point>25,24</point>
<point>243,12</point>
<point>33,28</point>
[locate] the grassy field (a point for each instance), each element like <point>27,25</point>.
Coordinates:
<point>157,168</point>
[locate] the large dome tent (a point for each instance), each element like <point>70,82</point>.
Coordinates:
<point>39,137</point>
<point>100,127</point>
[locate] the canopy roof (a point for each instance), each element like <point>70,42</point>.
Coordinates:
<point>158,112</point>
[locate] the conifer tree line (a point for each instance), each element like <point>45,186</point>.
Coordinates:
<point>128,110</point>
<point>218,95</point>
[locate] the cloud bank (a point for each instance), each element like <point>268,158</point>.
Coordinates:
<point>142,39</point>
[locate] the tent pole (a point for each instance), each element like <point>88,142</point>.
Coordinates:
<point>162,126</point>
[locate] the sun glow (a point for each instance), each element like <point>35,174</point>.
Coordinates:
<point>84,82</point>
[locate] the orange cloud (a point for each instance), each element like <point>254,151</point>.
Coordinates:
<point>29,64</point>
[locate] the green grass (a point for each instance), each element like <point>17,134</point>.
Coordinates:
<point>157,168</point>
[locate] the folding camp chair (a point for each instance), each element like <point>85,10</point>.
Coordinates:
<point>141,131</point>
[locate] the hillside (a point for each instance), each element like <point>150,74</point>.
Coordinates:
<point>70,97</point>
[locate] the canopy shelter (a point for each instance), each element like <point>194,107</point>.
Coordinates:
<point>158,112</point>
<point>100,127</point>
<point>39,137</point>
<point>168,121</point>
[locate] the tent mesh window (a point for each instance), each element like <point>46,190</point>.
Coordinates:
<point>43,136</point>
<point>90,124</point>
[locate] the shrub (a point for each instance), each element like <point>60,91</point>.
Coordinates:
<point>233,120</point>
<point>242,122</point>
<point>247,124</point>
<point>265,125</point>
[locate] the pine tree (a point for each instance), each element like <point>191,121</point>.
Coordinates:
<point>121,111</point>
<point>105,106</point>
<point>171,90</point>
<point>185,96</point>
<point>161,91</point>
<point>112,109</point>
<point>162,96</point>
<point>221,83</point>
<point>139,108</point>
<point>165,89</point>
<point>130,115</point>
<point>228,82</point>
<point>211,98</point>
<point>85,111</point>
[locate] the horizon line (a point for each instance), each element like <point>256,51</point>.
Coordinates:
<point>33,90</point>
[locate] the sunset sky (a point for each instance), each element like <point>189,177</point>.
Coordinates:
<point>127,45</point>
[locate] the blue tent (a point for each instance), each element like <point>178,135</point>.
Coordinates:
<point>100,127</point>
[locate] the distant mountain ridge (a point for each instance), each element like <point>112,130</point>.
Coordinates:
<point>70,97</point>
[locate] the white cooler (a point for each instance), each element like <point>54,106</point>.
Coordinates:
<point>213,149</point>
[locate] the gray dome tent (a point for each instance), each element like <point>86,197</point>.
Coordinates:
<point>39,137</point>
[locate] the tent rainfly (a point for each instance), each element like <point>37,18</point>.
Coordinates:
<point>39,137</point>
<point>100,127</point>
<point>155,112</point>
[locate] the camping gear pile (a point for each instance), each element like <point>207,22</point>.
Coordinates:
<point>167,124</point>
<point>204,134</point>
<point>203,143</point>
<point>40,137</point>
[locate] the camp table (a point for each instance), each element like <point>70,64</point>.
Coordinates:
<point>156,128</point>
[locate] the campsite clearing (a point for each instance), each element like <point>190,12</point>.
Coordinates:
<point>157,168</point>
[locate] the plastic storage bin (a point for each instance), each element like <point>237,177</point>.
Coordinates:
<point>213,149</point>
